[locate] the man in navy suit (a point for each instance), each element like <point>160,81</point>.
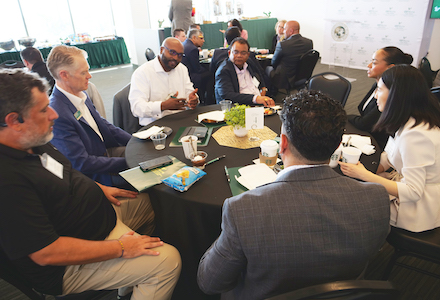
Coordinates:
<point>287,54</point>
<point>94,146</point>
<point>238,78</point>
<point>198,74</point>
<point>310,226</point>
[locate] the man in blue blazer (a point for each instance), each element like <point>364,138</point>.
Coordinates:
<point>310,226</point>
<point>287,54</point>
<point>238,79</point>
<point>80,133</point>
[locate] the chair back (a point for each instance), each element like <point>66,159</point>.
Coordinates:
<point>122,115</point>
<point>306,65</point>
<point>149,54</point>
<point>344,290</point>
<point>436,92</point>
<point>332,84</point>
<point>425,68</point>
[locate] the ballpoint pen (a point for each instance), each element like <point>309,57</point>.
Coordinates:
<point>227,174</point>
<point>215,159</point>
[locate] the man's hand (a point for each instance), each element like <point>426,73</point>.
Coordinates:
<point>173,103</point>
<point>266,101</point>
<point>193,99</point>
<point>137,245</point>
<point>112,192</point>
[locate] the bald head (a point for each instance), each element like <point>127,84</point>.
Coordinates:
<point>291,28</point>
<point>171,53</point>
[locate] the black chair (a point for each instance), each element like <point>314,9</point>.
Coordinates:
<point>306,65</point>
<point>344,290</point>
<point>149,54</point>
<point>428,73</point>
<point>424,245</point>
<point>332,84</point>
<point>436,92</point>
<point>122,115</point>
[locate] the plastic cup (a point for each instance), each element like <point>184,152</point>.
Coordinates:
<point>225,105</point>
<point>159,140</point>
<point>351,155</point>
<point>269,148</point>
<point>205,53</point>
<point>189,144</point>
<point>198,159</point>
<point>336,156</point>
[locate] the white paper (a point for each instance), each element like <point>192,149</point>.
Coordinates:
<point>257,161</point>
<point>52,165</point>
<point>254,118</point>
<point>216,115</point>
<point>363,143</point>
<point>145,134</point>
<point>253,176</point>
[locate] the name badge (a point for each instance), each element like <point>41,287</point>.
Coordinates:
<point>255,82</point>
<point>390,146</point>
<point>77,115</point>
<point>52,165</point>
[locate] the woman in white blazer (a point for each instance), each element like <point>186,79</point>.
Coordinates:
<point>411,115</point>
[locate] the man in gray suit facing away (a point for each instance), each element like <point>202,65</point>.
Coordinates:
<point>310,226</point>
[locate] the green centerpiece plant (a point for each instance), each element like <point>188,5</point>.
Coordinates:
<point>235,117</point>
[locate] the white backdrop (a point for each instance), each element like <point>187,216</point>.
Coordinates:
<point>357,28</point>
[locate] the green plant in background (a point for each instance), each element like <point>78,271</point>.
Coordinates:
<point>267,14</point>
<point>160,22</point>
<point>236,115</point>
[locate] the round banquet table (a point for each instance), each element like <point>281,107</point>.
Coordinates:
<point>191,220</point>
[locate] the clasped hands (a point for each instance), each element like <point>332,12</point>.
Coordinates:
<point>174,103</point>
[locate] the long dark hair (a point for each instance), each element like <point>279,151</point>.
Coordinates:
<point>394,55</point>
<point>409,96</point>
<point>235,22</point>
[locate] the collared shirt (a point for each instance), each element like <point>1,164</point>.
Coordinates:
<point>297,167</point>
<point>80,105</point>
<point>246,82</point>
<point>151,85</point>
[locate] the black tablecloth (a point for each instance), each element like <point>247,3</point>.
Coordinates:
<point>191,221</point>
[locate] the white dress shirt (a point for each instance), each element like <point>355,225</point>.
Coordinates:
<point>151,85</point>
<point>80,105</point>
<point>246,83</point>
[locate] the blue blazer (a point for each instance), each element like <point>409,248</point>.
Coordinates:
<point>226,83</point>
<point>191,61</point>
<point>80,143</point>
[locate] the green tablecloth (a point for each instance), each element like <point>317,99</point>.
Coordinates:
<point>260,33</point>
<point>100,54</point>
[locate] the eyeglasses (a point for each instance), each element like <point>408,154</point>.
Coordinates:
<point>242,53</point>
<point>174,52</point>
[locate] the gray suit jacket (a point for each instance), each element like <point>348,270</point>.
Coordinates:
<point>286,58</point>
<point>180,14</point>
<point>310,226</point>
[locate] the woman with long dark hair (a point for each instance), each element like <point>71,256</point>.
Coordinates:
<point>411,116</point>
<point>382,60</point>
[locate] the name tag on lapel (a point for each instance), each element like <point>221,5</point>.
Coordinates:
<point>77,115</point>
<point>390,146</point>
<point>52,165</point>
<point>255,82</point>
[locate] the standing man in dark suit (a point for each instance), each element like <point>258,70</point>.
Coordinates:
<point>310,226</point>
<point>287,54</point>
<point>238,78</point>
<point>33,60</point>
<point>198,74</point>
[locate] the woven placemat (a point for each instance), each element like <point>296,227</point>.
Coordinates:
<point>225,137</point>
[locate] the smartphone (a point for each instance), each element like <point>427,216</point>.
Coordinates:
<point>155,163</point>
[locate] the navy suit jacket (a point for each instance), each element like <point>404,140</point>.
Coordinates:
<point>368,118</point>
<point>308,227</point>
<point>226,83</point>
<point>286,58</point>
<point>191,61</point>
<point>80,143</point>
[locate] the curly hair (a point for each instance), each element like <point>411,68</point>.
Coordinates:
<point>314,124</point>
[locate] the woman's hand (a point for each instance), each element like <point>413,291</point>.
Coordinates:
<point>356,171</point>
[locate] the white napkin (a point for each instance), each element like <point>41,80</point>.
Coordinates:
<point>253,176</point>
<point>145,134</point>
<point>257,161</point>
<point>363,143</point>
<point>216,115</point>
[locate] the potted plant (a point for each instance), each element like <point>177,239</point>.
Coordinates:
<point>236,118</point>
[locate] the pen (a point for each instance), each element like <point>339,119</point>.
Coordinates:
<point>215,159</point>
<point>227,174</point>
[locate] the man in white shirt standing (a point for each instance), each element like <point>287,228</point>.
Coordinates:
<point>162,86</point>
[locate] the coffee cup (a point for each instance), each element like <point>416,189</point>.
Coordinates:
<point>189,144</point>
<point>336,156</point>
<point>269,148</point>
<point>351,155</point>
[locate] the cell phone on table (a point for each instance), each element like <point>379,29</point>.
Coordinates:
<point>155,163</point>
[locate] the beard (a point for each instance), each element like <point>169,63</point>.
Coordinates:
<point>170,63</point>
<point>30,140</point>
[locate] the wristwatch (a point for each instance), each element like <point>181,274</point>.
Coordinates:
<point>264,89</point>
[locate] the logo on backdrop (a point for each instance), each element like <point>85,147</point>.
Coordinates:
<point>339,32</point>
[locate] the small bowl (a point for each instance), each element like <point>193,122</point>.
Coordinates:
<point>196,161</point>
<point>27,42</point>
